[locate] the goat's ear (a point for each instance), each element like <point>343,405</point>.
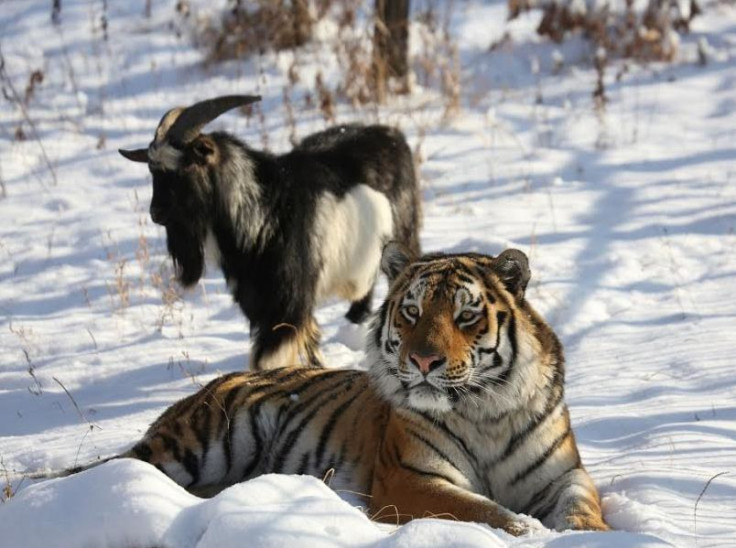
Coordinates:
<point>512,268</point>
<point>396,257</point>
<point>203,149</point>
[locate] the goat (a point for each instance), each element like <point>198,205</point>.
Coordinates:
<point>287,230</point>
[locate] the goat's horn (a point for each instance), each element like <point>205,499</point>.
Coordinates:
<point>140,155</point>
<point>194,118</point>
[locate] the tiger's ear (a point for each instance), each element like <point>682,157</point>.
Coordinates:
<point>512,268</point>
<point>396,257</point>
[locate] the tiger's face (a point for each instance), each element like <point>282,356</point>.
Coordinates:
<point>447,335</point>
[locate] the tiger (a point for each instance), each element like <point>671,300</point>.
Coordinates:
<point>459,415</point>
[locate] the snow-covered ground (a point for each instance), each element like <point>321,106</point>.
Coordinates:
<point>628,216</point>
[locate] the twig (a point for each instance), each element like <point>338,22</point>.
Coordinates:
<point>327,478</point>
<point>700,496</point>
<point>79,411</point>
<point>81,415</point>
<point>350,492</point>
<point>3,190</point>
<point>394,512</point>
<point>16,98</point>
<point>91,336</point>
<point>79,447</point>
<point>31,371</point>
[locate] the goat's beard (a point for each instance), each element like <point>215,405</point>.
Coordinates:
<point>185,242</point>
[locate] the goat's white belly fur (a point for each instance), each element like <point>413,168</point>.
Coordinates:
<point>348,240</point>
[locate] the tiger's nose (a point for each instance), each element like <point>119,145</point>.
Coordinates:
<point>427,363</point>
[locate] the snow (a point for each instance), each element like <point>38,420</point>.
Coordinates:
<point>628,216</point>
<point>130,503</point>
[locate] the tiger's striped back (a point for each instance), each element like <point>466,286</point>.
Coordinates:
<point>291,420</point>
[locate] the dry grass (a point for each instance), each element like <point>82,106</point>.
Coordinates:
<point>171,295</point>
<point>437,66</point>
<point>12,95</point>
<point>7,489</point>
<point>188,367</point>
<point>645,35</point>
<point>26,339</point>
<point>249,29</point>
<point>259,26</point>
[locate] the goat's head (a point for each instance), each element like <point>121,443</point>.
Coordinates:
<point>179,158</point>
<point>179,153</point>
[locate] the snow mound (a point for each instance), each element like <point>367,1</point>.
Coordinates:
<point>121,503</point>
<point>273,511</point>
<point>126,503</point>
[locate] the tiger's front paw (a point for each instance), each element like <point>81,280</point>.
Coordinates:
<point>587,523</point>
<point>524,525</point>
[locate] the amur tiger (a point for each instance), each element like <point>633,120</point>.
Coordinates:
<point>461,415</point>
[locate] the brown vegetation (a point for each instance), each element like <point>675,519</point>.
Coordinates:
<point>648,35</point>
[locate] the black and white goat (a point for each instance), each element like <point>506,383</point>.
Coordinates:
<point>287,230</point>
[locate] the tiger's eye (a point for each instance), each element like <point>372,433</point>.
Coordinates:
<point>412,310</point>
<point>467,315</point>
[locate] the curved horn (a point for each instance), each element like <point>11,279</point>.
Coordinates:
<point>139,155</point>
<point>194,118</point>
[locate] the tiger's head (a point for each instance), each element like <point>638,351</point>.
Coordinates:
<point>455,332</point>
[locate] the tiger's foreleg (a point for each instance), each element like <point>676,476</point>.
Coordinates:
<point>400,494</point>
<point>577,504</point>
<point>412,479</point>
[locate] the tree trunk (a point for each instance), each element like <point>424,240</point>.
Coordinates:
<point>56,11</point>
<point>390,44</point>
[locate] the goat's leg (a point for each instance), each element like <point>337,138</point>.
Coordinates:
<point>287,344</point>
<point>309,338</point>
<point>360,309</point>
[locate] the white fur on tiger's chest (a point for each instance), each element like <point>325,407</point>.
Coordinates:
<point>349,235</point>
<point>494,472</point>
